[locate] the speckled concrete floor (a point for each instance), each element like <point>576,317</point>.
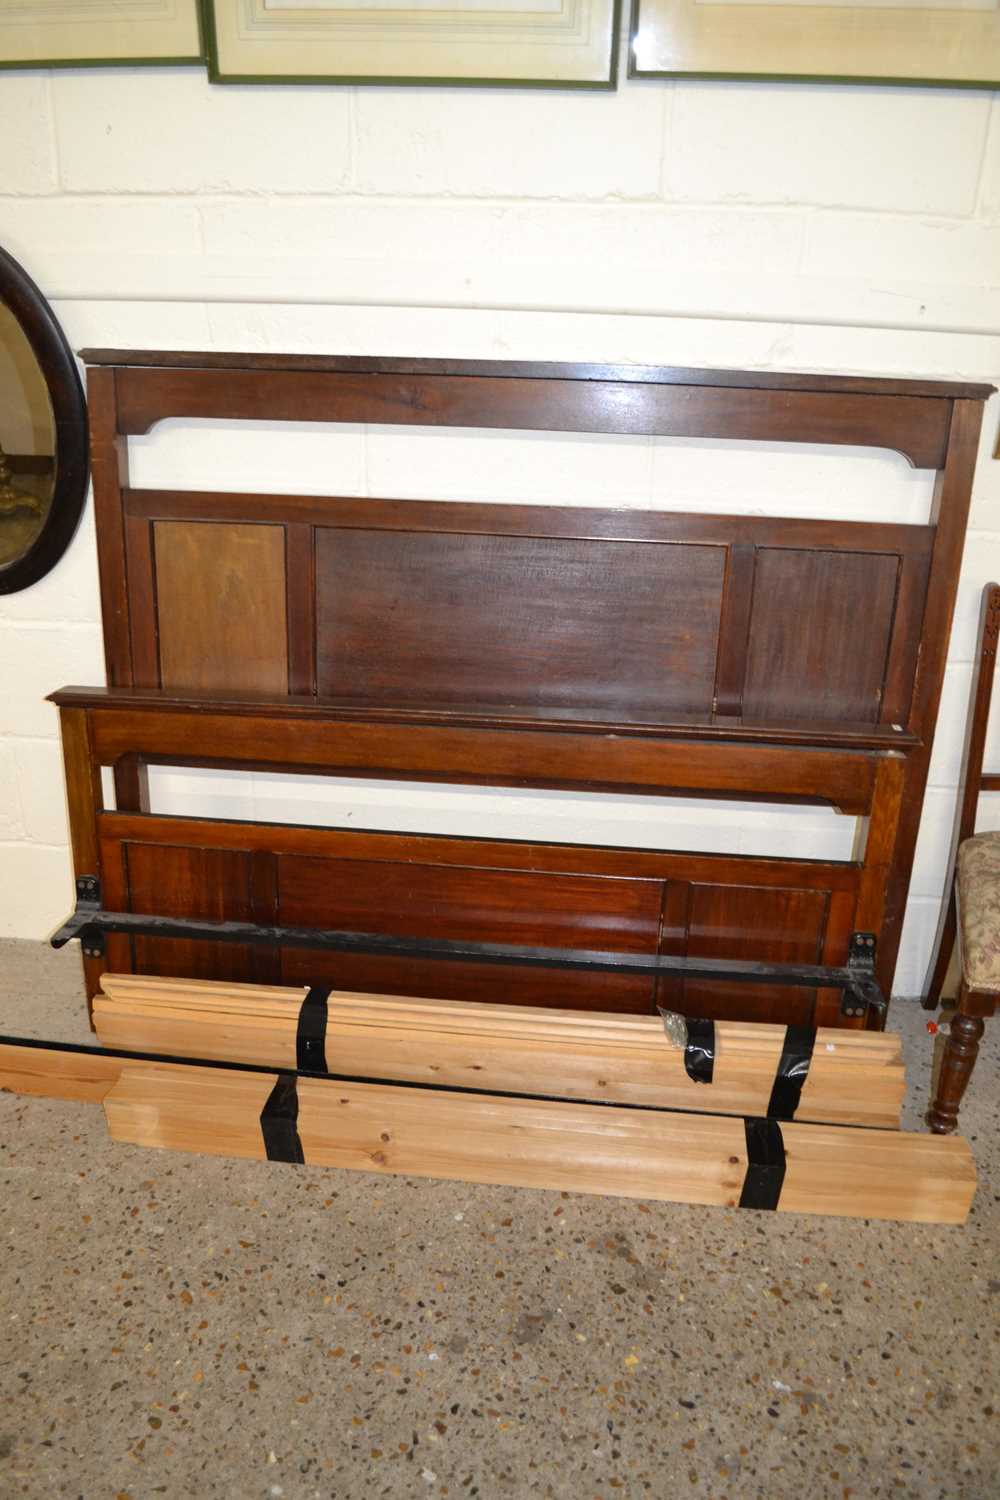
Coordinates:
<point>194,1327</point>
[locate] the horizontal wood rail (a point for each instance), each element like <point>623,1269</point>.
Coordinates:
<point>915,426</point>
<point>718,728</point>
<point>124,723</point>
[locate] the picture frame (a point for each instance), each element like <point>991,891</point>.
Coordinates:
<point>569,44</point>
<point>921,43</point>
<point>99,33</point>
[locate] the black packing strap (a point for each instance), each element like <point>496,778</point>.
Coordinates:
<point>793,1070</point>
<point>699,1053</point>
<point>279,1121</point>
<point>310,1034</point>
<point>765,1163</point>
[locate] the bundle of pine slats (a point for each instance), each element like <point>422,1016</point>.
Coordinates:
<point>52,1072</point>
<point>680,1158</point>
<point>855,1077</point>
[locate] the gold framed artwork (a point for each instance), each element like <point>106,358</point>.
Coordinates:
<point>89,33</point>
<point>949,43</point>
<point>520,43</point>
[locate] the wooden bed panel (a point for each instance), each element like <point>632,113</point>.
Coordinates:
<point>416,618</point>
<point>221,606</point>
<point>190,882</point>
<point>486,904</point>
<point>643,615</point>
<point>784,924</point>
<point>533,908</point>
<point>820,634</point>
<point>481,890</point>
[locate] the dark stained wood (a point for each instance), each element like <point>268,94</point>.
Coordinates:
<point>220,592</point>
<point>820,632</point>
<point>422,619</point>
<point>264,906</point>
<point>548,894</point>
<point>971,782</point>
<point>192,882</point>
<point>966,1029</point>
<point>83,789</point>
<point>815,674</point>
<point>300,594</point>
<point>489,756</point>
<point>142,602</point>
<point>531,907</point>
<point>85,799</point>
<point>907,632</point>
<point>426,603</point>
<point>916,426</point>
<point>610,861</point>
<point>585,523</point>
<point>743,921</point>
<point>545,370</point>
<point>957,1062</point>
<point>734,628</point>
<point>691,727</point>
<point>131,784</point>
<point>953,492</point>
<point>880,833</point>
<point>109,475</point>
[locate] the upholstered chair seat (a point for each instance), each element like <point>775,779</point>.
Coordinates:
<point>979,910</point>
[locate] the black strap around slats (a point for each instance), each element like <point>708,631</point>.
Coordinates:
<point>793,1070</point>
<point>310,1033</point>
<point>699,1052</point>
<point>279,1121</point>
<point>765,1164</point>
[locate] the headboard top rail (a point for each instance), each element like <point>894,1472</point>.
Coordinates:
<point>825,384</point>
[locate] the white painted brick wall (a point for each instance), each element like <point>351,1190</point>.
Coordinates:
<point>774,226</point>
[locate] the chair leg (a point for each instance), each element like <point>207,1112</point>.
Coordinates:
<point>943,950</point>
<point>960,1053</point>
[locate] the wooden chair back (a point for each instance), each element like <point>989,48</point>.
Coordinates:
<point>972,781</point>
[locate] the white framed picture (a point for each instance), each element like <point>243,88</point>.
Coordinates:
<point>81,33</point>
<point>525,43</point>
<point>951,43</point>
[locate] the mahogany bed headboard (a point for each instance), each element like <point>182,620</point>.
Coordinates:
<point>547,636</point>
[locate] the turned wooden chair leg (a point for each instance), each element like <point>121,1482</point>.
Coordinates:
<point>960,1053</point>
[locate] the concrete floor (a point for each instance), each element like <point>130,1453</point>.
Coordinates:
<point>188,1326</point>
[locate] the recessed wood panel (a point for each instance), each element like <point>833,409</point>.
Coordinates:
<point>188,882</point>
<point>748,923</point>
<point>493,984</point>
<point>534,909</point>
<point>424,618</point>
<point>220,606</point>
<point>819,634</point>
<point>629,900</point>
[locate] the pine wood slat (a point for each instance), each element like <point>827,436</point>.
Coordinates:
<point>854,1077</point>
<point>679,1158</point>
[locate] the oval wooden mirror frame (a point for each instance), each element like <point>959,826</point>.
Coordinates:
<point>38,323</point>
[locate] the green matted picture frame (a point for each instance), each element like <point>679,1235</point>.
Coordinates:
<point>564,44</point>
<point>923,44</point>
<point>89,34</point>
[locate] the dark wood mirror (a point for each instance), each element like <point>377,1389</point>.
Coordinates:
<point>43,433</point>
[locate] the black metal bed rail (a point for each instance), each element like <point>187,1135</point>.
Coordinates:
<point>855,979</point>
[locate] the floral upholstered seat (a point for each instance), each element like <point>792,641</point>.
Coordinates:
<point>979,910</point>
